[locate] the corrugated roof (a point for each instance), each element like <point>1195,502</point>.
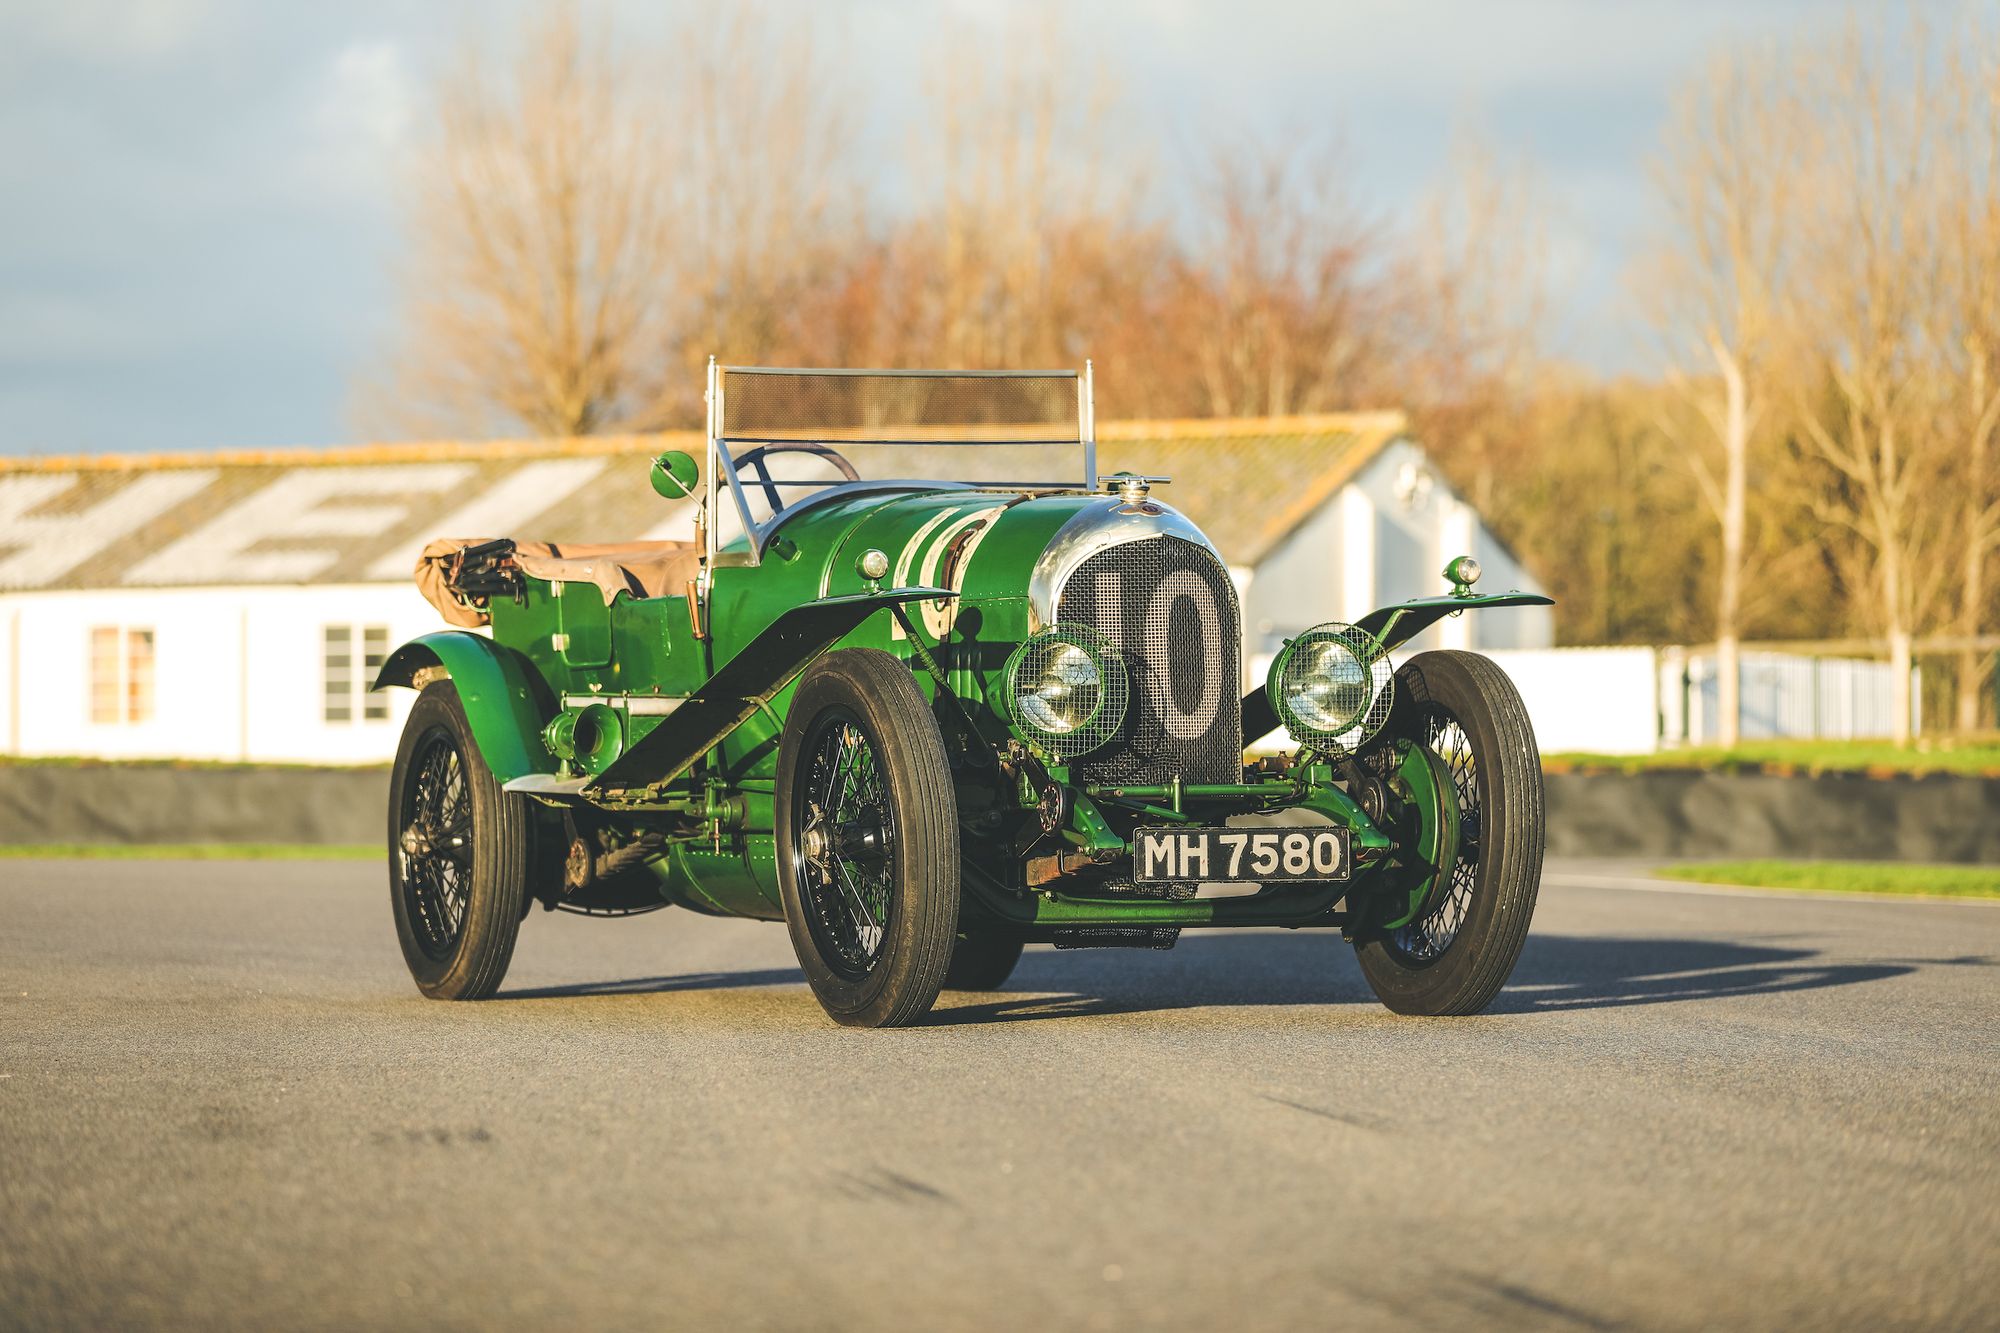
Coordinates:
<point>358,514</point>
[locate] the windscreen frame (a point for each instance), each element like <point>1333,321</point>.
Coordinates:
<point>721,471</point>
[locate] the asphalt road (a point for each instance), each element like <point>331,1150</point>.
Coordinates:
<point>223,1105</point>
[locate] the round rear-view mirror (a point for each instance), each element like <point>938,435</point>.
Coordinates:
<point>674,474</point>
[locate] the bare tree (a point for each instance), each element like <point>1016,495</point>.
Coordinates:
<point>1020,199</point>
<point>1965,326</point>
<point>540,256</point>
<point>1725,177</point>
<point>1871,270</point>
<point>767,216</point>
<point>1278,304</point>
<point>588,225</point>
<point>1466,305</point>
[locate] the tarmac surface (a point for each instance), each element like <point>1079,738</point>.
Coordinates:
<point>223,1105</point>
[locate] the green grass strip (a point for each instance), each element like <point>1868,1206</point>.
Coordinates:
<point>1899,877</point>
<point>193,851</point>
<point>1977,758</point>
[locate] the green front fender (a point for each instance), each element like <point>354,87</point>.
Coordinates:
<point>503,697</point>
<point>1390,626</point>
<point>1395,625</point>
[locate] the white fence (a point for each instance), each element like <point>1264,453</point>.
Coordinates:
<point>1641,700</point>
<point>1783,695</point>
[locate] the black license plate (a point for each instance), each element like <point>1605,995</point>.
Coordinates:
<point>1178,854</point>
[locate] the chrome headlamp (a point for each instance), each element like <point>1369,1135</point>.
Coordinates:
<point>1332,687</point>
<point>1067,689</point>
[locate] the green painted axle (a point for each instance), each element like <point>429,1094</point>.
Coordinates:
<point>1197,790</point>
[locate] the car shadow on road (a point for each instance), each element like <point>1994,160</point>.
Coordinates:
<point>686,981</point>
<point>1593,972</point>
<point>1556,972</point>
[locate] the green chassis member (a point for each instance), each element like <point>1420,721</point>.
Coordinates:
<point>925,723</point>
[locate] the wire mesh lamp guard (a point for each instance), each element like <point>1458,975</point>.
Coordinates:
<point>755,406</point>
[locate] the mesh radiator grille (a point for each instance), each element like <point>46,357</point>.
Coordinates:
<point>1169,607</point>
<point>915,406</point>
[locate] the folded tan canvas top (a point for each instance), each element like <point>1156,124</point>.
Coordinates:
<point>641,569</point>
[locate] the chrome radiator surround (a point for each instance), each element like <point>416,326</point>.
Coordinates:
<point>1107,523</point>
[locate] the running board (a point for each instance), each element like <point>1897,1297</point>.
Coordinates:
<point>545,784</point>
<point>746,684</point>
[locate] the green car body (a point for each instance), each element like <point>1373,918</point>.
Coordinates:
<point>655,723</point>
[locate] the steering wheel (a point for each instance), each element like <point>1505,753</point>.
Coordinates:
<point>755,459</point>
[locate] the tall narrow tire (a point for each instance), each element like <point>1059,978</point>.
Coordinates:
<point>1454,958</point>
<point>981,961</point>
<point>867,834</point>
<point>461,853</point>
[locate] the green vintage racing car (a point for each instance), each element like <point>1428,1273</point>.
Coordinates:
<point>927,722</point>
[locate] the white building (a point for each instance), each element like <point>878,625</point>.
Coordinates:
<point>234,606</point>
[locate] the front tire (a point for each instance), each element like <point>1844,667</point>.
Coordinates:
<point>1455,956</point>
<point>460,854</point>
<point>867,834</point>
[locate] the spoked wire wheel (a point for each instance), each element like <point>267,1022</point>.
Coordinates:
<point>867,834</point>
<point>1426,937</point>
<point>461,853</point>
<point>1455,953</point>
<point>434,850</point>
<point>845,856</point>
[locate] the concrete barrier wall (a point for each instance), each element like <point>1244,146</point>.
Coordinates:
<point>1726,816</point>
<point>1660,814</point>
<point>157,803</point>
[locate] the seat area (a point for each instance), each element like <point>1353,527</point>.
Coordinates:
<point>638,569</point>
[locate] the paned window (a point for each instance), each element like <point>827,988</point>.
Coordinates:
<point>121,675</point>
<point>351,657</point>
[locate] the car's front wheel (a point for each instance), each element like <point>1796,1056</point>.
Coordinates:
<point>1453,956</point>
<point>867,833</point>
<point>460,854</point>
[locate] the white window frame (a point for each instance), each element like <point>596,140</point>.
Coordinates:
<point>365,648</point>
<point>134,694</point>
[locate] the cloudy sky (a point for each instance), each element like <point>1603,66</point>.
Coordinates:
<point>199,206</point>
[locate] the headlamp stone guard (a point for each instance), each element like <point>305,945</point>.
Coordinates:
<point>1375,665</point>
<point>1114,687</point>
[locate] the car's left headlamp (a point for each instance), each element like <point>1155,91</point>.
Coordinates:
<point>1067,689</point>
<point>1332,687</point>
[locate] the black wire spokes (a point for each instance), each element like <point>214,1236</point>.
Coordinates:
<point>846,854</point>
<point>1427,937</point>
<point>435,846</point>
